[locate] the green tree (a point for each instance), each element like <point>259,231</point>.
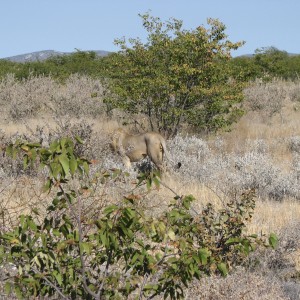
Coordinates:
<point>272,61</point>
<point>244,68</point>
<point>178,76</point>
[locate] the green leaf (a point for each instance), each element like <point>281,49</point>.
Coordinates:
<point>25,162</point>
<point>204,254</point>
<point>134,258</point>
<point>148,184</point>
<point>78,139</point>
<point>7,288</point>
<point>273,240</point>
<point>55,169</point>
<point>86,247</point>
<point>56,232</point>
<point>109,209</point>
<point>34,145</point>
<point>20,270</point>
<point>37,261</point>
<point>234,240</point>
<point>64,161</point>
<point>162,227</point>
<point>47,185</point>
<point>151,287</point>
<point>32,225</point>
<point>156,181</point>
<point>58,277</point>
<point>73,165</point>
<point>54,146</point>
<point>171,235</point>
<point>86,167</point>
<point>223,269</point>
<point>103,239</point>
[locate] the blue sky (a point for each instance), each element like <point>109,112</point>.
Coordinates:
<point>63,25</point>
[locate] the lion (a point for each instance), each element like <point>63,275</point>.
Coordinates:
<point>133,148</point>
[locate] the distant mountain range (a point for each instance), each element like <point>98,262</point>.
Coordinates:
<point>45,54</point>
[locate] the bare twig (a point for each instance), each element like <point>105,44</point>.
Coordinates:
<point>78,220</point>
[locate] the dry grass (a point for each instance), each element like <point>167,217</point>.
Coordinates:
<point>270,216</point>
<point>241,285</point>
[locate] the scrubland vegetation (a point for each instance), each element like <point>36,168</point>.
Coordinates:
<point>120,235</point>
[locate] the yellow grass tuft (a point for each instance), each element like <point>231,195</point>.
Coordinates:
<point>270,216</point>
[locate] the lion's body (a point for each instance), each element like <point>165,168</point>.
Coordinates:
<point>133,148</point>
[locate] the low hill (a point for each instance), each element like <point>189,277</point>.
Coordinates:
<point>45,54</point>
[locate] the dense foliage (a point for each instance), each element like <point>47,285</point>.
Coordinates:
<point>177,77</point>
<point>58,67</point>
<point>267,63</point>
<point>117,251</point>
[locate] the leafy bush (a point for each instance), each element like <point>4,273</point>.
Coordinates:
<point>117,251</point>
<point>60,68</point>
<point>267,63</point>
<point>178,77</point>
<point>45,135</point>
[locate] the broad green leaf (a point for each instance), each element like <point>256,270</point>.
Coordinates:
<point>204,254</point>
<point>86,247</point>
<point>47,185</point>
<point>7,287</point>
<point>54,145</point>
<point>162,227</point>
<point>55,169</point>
<point>103,238</point>
<point>56,232</point>
<point>32,225</point>
<point>233,241</point>
<point>171,235</point>
<point>223,269</point>
<point>73,165</point>
<point>86,167</point>
<point>151,287</point>
<point>64,161</point>
<point>273,240</point>
<point>25,148</point>
<point>58,277</point>
<point>134,258</point>
<point>109,209</point>
<point>36,261</point>
<point>63,142</point>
